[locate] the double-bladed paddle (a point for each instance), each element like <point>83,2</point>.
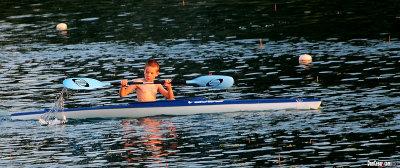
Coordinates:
<point>214,81</point>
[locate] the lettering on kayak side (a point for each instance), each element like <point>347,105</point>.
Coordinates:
<point>208,101</point>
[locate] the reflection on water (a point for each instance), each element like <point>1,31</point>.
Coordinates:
<point>353,69</point>
<point>148,138</point>
<point>232,139</point>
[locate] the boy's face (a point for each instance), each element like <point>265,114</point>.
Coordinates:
<point>150,73</point>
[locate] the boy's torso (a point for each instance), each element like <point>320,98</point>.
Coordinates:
<point>147,92</point>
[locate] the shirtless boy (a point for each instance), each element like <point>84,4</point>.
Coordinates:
<point>148,92</point>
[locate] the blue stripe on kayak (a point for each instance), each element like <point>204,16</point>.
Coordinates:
<point>30,113</point>
<point>180,102</point>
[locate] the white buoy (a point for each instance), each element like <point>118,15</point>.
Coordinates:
<point>305,59</point>
<point>62,26</point>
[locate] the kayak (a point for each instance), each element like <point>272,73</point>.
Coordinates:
<point>175,107</point>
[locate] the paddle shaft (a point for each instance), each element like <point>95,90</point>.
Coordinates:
<point>176,82</point>
<point>214,81</point>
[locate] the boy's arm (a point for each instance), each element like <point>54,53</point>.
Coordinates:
<point>126,89</point>
<point>169,94</point>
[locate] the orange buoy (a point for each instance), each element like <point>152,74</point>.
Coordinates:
<point>62,26</point>
<point>305,59</point>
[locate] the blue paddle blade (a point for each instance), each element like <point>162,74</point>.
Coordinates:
<point>83,83</point>
<point>214,81</point>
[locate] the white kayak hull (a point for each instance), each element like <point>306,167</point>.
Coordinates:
<point>176,107</point>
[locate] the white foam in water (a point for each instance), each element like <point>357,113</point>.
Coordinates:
<point>50,117</point>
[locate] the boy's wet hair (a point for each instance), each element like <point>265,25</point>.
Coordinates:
<point>152,63</point>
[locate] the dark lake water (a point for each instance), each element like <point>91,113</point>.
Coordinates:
<point>354,45</point>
